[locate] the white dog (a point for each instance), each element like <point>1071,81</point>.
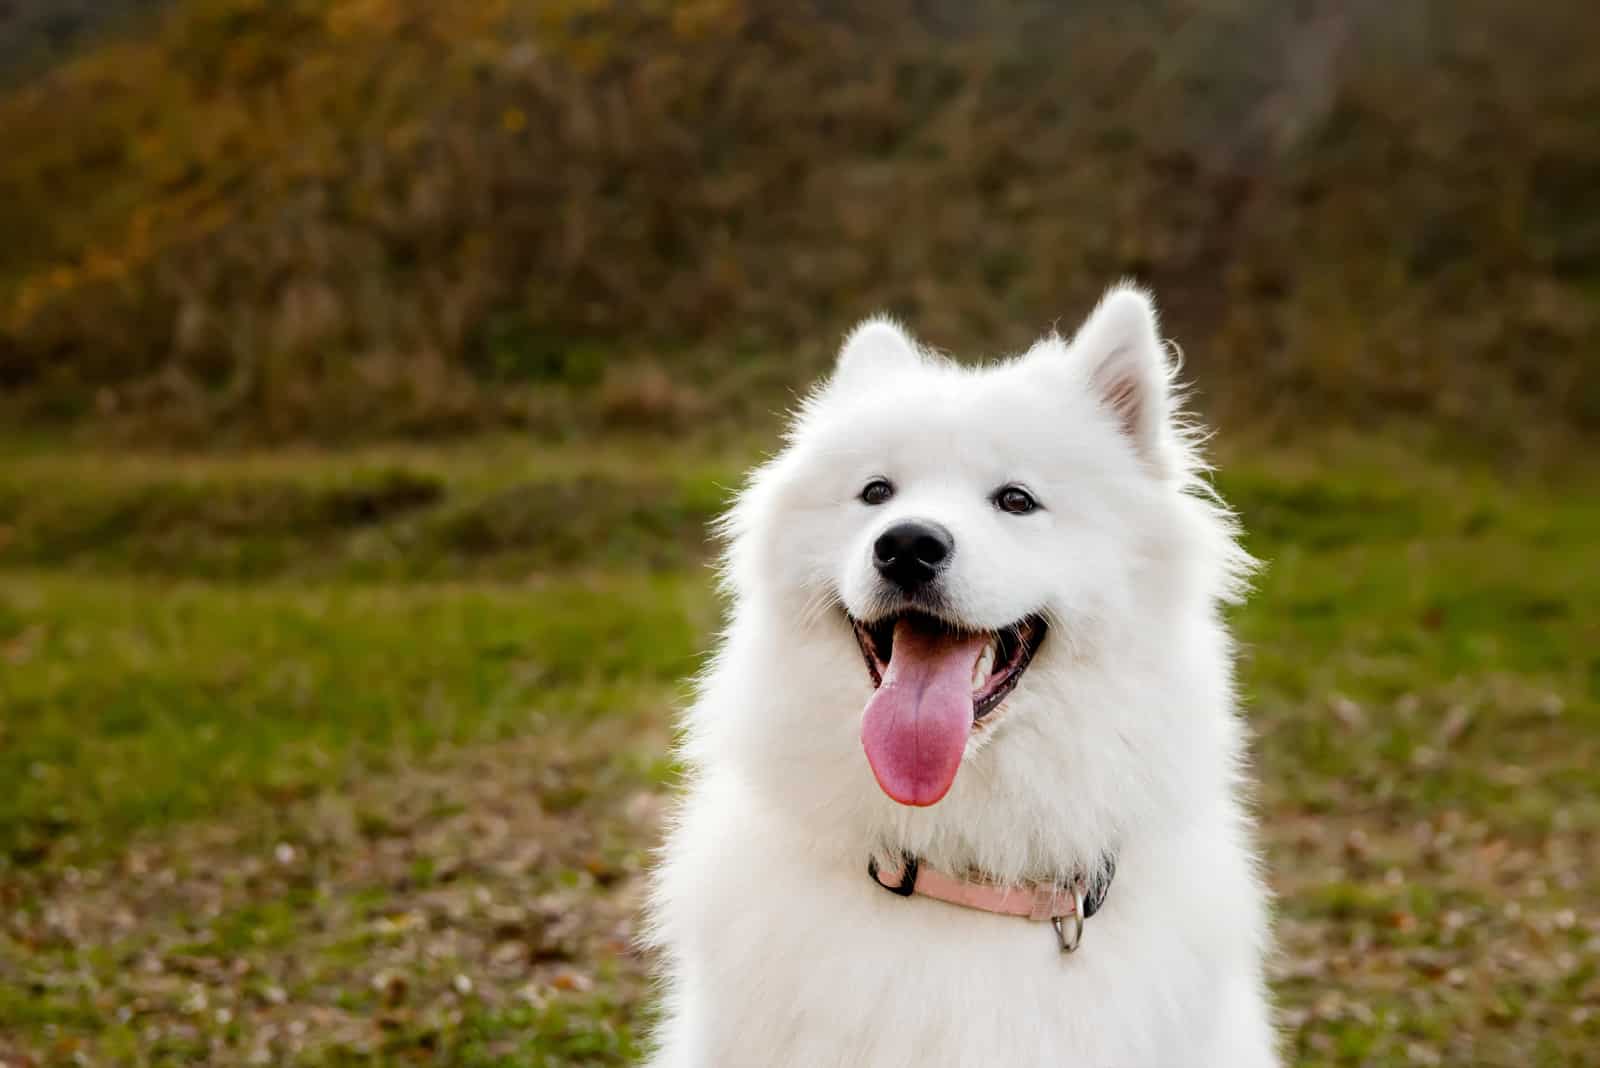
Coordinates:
<point>965,774</point>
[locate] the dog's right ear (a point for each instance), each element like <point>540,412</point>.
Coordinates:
<point>878,346</point>
<point>1129,373</point>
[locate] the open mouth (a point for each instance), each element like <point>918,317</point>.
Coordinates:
<point>1003,657</point>
<point>934,684</point>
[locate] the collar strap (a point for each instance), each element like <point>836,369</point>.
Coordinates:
<point>1078,898</point>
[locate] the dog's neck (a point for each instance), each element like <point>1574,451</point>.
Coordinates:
<point>1004,855</point>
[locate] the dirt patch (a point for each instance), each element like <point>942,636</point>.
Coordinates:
<point>1435,941</point>
<point>488,899</point>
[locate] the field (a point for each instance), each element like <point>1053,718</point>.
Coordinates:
<point>357,757</point>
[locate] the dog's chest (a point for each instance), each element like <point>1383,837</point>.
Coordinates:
<point>829,969</point>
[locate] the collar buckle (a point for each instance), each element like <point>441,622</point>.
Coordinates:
<point>1069,928</point>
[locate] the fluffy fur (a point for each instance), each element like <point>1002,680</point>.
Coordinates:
<point>1122,737</point>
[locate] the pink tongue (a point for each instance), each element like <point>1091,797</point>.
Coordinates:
<point>916,725</point>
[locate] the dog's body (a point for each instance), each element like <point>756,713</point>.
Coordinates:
<point>1042,517</point>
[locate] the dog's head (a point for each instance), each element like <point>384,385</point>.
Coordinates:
<point>954,560</point>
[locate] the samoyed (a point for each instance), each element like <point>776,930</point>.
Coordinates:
<point>965,774</point>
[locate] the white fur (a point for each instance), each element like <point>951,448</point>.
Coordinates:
<point>1122,737</point>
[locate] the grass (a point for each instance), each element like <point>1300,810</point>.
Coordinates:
<point>132,704</point>
<point>355,758</point>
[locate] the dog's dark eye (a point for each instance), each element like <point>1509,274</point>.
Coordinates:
<point>877,491</point>
<point>1015,499</point>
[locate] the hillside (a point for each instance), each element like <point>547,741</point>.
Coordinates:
<point>269,219</point>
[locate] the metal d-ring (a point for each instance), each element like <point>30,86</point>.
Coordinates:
<point>1069,929</point>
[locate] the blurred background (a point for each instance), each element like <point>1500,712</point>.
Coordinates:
<point>369,370</point>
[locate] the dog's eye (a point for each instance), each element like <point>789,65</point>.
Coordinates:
<point>1015,499</point>
<point>877,491</point>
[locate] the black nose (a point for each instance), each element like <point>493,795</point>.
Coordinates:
<point>909,554</point>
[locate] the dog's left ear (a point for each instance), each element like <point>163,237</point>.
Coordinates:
<point>1120,347</point>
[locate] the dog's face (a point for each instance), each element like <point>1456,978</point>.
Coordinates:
<point>976,534</point>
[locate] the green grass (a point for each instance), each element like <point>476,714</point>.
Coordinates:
<point>375,743</point>
<point>384,515</point>
<point>132,704</point>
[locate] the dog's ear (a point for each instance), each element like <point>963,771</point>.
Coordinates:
<point>876,347</point>
<point>1120,347</point>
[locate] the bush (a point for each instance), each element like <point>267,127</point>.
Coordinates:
<point>382,216</point>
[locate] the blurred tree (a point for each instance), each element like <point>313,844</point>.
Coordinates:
<point>369,216</point>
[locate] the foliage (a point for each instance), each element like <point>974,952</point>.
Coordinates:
<point>350,218</point>
<point>35,33</point>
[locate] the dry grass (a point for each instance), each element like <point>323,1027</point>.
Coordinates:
<point>475,909</point>
<point>344,220</point>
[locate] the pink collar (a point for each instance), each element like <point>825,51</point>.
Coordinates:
<point>1065,905</point>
